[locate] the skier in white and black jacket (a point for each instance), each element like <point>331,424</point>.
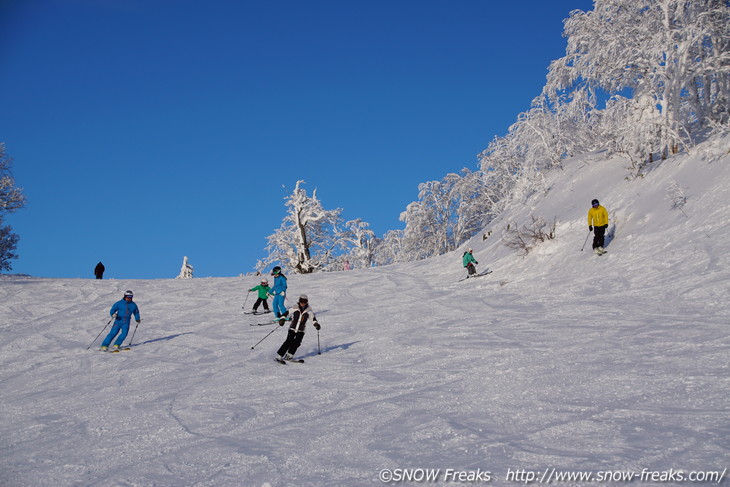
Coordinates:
<point>300,315</point>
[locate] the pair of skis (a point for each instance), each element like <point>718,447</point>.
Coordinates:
<point>283,361</point>
<point>483,273</point>
<point>280,359</point>
<point>274,321</point>
<point>115,350</point>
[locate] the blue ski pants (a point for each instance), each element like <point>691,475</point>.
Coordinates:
<point>278,305</point>
<point>116,328</point>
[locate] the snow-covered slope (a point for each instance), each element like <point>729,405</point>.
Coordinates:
<point>558,360</point>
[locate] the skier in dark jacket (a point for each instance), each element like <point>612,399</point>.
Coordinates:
<point>300,315</point>
<point>99,271</point>
<point>122,312</point>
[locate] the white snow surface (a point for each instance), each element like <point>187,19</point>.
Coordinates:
<point>560,361</point>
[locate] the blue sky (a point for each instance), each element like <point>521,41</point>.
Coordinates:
<point>145,131</point>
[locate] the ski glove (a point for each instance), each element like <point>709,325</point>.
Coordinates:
<point>316,325</point>
<point>590,228</point>
<point>139,321</point>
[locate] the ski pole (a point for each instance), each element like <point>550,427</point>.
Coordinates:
<point>246,300</point>
<point>135,331</point>
<point>102,331</point>
<point>319,349</point>
<point>264,338</point>
<point>586,240</point>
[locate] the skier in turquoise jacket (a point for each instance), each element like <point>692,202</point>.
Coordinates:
<point>122,312</point>
<point>279,292</point>
<point>469,262</point>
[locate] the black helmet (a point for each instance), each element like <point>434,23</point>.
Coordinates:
<point>594,203</point>
<point>276,270</point>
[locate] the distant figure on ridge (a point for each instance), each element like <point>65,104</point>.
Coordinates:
<point>99,270</point>
<point>597,222</point>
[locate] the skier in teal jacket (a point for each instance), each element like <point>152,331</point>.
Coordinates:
<point>469,262</point>
<point>122,312</point>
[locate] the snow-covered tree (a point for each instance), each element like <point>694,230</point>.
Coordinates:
<point>427,222</point>
<point>447,214</point>
<point>308,237</point>
<point>510,169</point>
<point>390,249</point>
<point>186,271</point>
<point>671,55</point>
<point>358,241</point>
<point>11,199</point>
<point>8,244</point>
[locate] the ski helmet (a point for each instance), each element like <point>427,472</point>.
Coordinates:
<point>264,282</point>
<point>303,298</point>
<point>128,294</point>
<point>594,203</point>
<point>276,270</point>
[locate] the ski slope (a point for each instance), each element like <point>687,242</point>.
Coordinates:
<point>558,363</point>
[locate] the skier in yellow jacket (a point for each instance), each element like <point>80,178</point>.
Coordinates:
<point>597,222</point>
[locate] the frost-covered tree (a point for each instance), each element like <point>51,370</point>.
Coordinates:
<point>663,63</point>
<point>11,199</point>
<point>186,271</point>
<point>447,214</point>
<point>390,249</point>
<point>427,222</point>
<point>358,241</point>
<point>509,168</point>
<point>308,237</point>
<point>8,244</point>
<point>671,56</point>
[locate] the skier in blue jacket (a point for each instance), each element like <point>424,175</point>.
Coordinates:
<point>279,292</point>
<point>122,312</point>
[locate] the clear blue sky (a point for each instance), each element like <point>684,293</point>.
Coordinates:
<point>144,131</point>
